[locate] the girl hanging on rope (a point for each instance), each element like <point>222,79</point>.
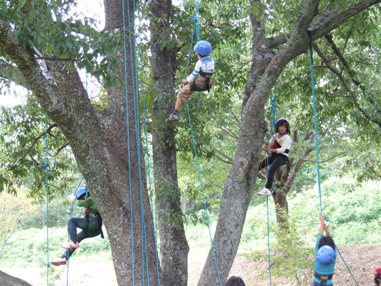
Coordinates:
<point>278,147</point>
<point>201,79</point>
<point>325,256</point>
<point>91,225</point>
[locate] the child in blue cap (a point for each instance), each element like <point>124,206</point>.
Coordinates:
<point>325,257</point>
<point>199,80</point>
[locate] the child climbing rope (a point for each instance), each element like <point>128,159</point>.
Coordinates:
<point>325,256</point>
<point>91,225</point>
<point>278,147</point>
<point>201,79</point>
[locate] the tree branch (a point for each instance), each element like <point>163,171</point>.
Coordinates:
<point>325,160</point>
<point>11,73</point>
<point>295,170</point>
<point>223,157</point>
<point>27,152</point>
<point>61,148</point>
<point>345,84</point>
<point>345,63</point>
<point>227,131</point>
<point>330,19</point>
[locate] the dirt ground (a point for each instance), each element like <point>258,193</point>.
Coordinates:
<point>361,260</point>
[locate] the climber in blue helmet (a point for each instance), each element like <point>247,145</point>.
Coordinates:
<point>201,79</point>
<point>325,256</point>
<point>91,224</point>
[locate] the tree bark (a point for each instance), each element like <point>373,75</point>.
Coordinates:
<point>8,280</point>
<point>173,244</point>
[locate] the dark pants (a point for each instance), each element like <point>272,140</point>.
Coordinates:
<point>274,161</point>
<point>90,227</point>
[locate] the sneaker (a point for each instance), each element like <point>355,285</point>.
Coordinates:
<point>264,192</point>
<point>71,245</point>
<point>173,117</point>
<point>59,261</point>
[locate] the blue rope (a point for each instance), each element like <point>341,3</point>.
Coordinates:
<point>203,196</point>
<point>316,140</point>
<point>147,158</point>
<point>68,237</point>
<point>136,119</point>
<point>128,145</point>
<point>268,240</point>
<point>197,30</point>
<point>46,167</point>
<point>272,125</point>
<point>134,77</point>
<point>197,23</point>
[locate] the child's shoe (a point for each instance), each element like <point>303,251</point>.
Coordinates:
<point>71,245</point>
<point>175,116</point>
<point>265,192</point>
<point>59,261</point>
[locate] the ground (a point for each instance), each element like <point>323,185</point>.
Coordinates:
<point>361,260</point>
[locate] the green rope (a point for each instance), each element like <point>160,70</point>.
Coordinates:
<point>198,169</point>
<point>316,139</point>
<point>46,167</point>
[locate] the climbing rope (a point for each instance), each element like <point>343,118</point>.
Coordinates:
<point>135,92</point>
<point>68,237</point>
<point>198,169</point>
<point>316,139</point>
<point>128,146</point>
<point>272,124</point>
<point>46,167</point>
<point>147,152</point>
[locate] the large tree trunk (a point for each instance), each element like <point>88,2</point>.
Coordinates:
<point>8,280</point>
<point>266,68</point>
<point>173,244</point>
<point>106,144</point>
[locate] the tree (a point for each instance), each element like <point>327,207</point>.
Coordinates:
<point>270,55</point>
<point>97,136</point>
<point>105,142</point>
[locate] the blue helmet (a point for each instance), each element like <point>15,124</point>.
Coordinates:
<point>203,48</point>
<point>326,254</point>
<point>81,191</point>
